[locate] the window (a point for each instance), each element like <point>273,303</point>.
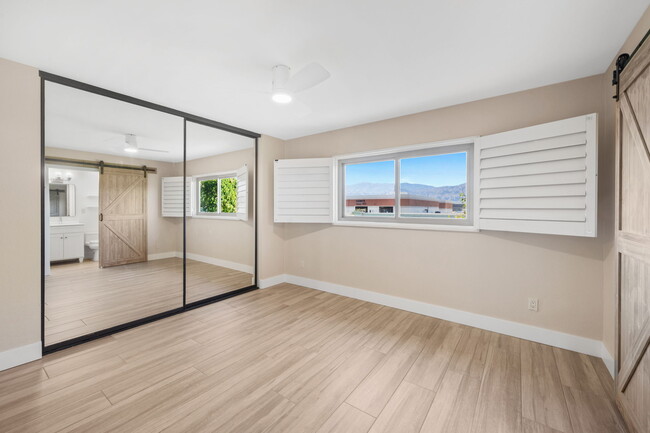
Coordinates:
<point>369,187</point>
<point>538,179</point>
<point>433,185</point>
<point>216,195</point>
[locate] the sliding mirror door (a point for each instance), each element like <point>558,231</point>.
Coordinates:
<point>220,230</point>
<point>113,250</point>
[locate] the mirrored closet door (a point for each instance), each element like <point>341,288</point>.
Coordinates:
<point>111,256</point>
<point>147,211</point>
<point>220,229</point>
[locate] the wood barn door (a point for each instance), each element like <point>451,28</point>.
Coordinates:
<point>633,241</point>
<point>122,217</point>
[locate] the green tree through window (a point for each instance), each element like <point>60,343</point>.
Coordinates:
<point>229,195</point>
<point>209,195</point>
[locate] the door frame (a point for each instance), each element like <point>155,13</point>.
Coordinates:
<point>57,79</point>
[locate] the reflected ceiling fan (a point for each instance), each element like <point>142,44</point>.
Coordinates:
<point>131,145</point>
<point>285,86</point>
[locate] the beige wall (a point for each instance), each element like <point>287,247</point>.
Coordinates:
<point>607,186</point>
<point>20,253</point>
<point>566,273</point>
<point>163,234</point>
<point>270,235</point>
<point>229,240</point>
<point>489,273</point>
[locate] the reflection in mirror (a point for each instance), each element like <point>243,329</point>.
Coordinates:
<point>62,200</point>
<point>220,231</point>
<point>112,257</point>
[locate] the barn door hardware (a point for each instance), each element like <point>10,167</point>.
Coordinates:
<point>621,62</point>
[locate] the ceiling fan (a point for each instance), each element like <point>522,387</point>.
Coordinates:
<point>284,85</point>
<point>131,145</point>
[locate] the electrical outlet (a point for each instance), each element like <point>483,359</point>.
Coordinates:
<point>302,263</point>
<point>533,304</point>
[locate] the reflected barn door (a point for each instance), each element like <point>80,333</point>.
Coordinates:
<point>122,217</point>
<point>633,241</point>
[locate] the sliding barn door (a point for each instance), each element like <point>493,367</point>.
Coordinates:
<point>122,217</point>
<point>633,241</point>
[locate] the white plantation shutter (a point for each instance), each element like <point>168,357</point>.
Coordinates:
<point>172,196</point>
<point>242,193</point>
<point>541,179</point>
<point>303,190</point>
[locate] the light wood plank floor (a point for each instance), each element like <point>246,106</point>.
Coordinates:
<point>290,359</point>
<point>81,298</point>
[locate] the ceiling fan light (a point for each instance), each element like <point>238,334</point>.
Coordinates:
<point>130,143</point>
<point>281,97</point>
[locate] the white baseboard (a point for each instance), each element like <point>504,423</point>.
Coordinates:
<point>608,359</point>
<point>562,340</point>
<point>219,262</point>
<point>205,259</point>
<point>20,355</point>
<point>160,256</point>
<point>272,281</point>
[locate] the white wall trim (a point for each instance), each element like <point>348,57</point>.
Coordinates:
<point>20,355</point>
<point>159,256</point>
<point>608,359</point>
<point>559,339</point>
<point>205,259</point>
<point>272,281</point>
<point>219,262</point>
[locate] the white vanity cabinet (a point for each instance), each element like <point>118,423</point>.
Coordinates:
<point>67,242</point>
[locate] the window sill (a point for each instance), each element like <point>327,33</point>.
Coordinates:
<point>216,217</point>
<point>434,227</point>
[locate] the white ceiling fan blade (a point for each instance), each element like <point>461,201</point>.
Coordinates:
<point>308,77</point>
<point>153,150</point>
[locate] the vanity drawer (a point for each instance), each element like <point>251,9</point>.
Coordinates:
<point>55,230</point>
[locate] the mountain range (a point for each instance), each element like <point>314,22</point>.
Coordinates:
<point>442,193</point>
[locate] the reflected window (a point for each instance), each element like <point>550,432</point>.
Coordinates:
<point>217,195</point>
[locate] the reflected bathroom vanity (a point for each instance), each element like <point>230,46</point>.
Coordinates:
<point>67,242</point>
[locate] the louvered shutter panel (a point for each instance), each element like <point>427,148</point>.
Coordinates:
<point>172,196</point>
<point>541,179</point>
<point>303,190</point>
<point>242,193</point>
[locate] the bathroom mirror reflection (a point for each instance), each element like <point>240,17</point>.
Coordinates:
<point>111,256</point>
<point>62,200</point>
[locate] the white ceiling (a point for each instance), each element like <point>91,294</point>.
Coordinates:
<point>79,120</point>
<point>387,58</point>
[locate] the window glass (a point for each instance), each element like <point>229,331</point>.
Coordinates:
<point>434,186</point>
<point>217,195</point>
<point>370,189</point>
<point>209,196</point>
<point>229,195</point>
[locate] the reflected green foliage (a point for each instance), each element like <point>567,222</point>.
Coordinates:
<point>209,192</point>
<point>229,195</point>
<point>209,195</point>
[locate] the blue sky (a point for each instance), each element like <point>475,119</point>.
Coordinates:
<point>436,170</point>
